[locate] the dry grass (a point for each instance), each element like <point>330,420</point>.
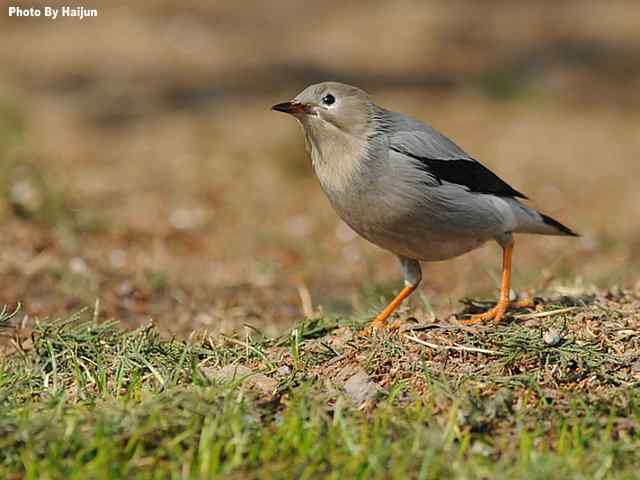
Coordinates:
<point>203,212</point>
<point>165,186</point>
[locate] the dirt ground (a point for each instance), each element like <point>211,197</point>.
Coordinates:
<point>143,169</point>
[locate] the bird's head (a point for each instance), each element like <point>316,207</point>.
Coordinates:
<point>329,109</point>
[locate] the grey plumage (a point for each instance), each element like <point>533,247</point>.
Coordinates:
<point>403,185</point>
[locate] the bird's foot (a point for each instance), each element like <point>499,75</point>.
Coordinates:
<point>497,312</point>
<point>523,303</point>
<point>379,325</point>
<point>380,322</point>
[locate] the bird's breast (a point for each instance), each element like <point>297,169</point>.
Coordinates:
<point>360,199</point>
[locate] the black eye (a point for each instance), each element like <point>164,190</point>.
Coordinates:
<point>328,99</point>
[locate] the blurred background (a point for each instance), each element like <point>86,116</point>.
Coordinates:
<point>142,166</point>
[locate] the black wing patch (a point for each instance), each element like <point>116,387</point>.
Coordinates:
<point>473,175</point>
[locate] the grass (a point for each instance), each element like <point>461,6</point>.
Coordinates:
<point>81,399</point>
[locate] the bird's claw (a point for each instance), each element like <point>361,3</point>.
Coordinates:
<point>497,312</point>
<point>378,326</point>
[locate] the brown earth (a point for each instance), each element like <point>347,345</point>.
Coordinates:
<point>142,166</point>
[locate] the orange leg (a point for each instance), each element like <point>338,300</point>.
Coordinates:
<point>497,312</point>
<point>381,320</point>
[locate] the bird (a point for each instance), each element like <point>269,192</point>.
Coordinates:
<point>409,189</point>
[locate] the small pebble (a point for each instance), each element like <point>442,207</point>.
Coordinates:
<point>245,375</point>
<point>552,337</point>
<point>26,196</point>
<point>359,388</point>
<point>118,258</point>
<point>186,218</point>
<point>78,265</point>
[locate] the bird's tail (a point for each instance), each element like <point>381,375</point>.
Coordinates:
<point>558,228</point>
<point>532,221</point>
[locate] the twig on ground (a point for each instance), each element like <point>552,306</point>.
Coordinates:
<point>548,313</point>
<point>459,348</point>
<point>305,300</point>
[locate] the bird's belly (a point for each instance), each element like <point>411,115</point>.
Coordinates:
<point>426,244</point>
<point>422,238</point>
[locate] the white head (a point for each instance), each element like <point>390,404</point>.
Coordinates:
<point>330,109</point>
<point>337,120</point>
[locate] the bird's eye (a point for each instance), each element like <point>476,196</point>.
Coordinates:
<point>328,99</point>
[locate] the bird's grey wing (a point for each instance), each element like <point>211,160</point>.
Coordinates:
<point>445,161</point>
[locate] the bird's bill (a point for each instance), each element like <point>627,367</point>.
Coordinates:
<point>293,107</point>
